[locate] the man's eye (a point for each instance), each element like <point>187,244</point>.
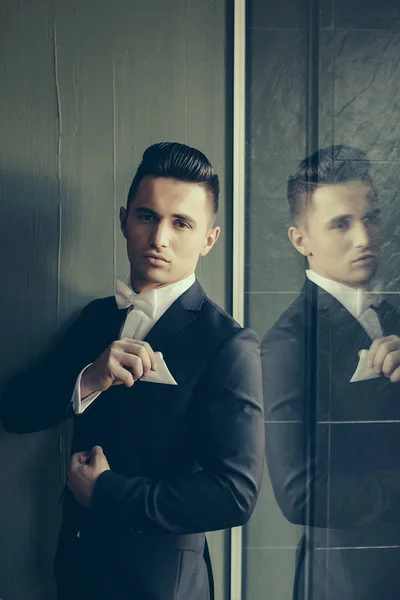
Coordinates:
<point>146,217</point>
<point>182,224</point>
<point>340,225</point>
<point>373,218</point>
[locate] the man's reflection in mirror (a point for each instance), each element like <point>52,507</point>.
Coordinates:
<point>331,384</point>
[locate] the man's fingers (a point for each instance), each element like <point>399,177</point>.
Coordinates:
<point>372,351</point>
<point>145,358</point>
<point>143,350</point>
<point>395,376</point>
<point>390,363</point>
<point>77,461</point>
<point>79,458</point>
<point>382,354</point>
<point>138,359</point>
<point>376,354</point>
<point>98,462</point>
<point>379,357</point>
<point>83,457</point>
<point>136,364</point>
<point>151,354</point>
<point>95,453</point>
<point>123,376</point>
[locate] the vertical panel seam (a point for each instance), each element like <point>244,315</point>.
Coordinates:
<point>312,142</point>
<point>59,118</point>
<point>114,174</point>
<point>239,97</point>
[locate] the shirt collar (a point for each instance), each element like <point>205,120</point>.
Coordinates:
<point>157,300</point>
<point>168,294</point>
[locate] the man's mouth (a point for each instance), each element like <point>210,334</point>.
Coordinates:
<point>366,259</point>
<point>155,259</point>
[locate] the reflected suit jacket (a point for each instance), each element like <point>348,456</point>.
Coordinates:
<point>333,450</point>
<point>184,458</point>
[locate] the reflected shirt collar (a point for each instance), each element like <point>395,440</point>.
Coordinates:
<point>355,300</point>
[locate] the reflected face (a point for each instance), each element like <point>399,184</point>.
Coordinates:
<point>342,233</point>
<point>167,228</point>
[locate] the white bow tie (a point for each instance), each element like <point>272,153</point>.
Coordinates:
<point>145,301</point>
<point>365,300</point>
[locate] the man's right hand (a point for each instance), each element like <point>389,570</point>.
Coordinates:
<point>124,361</point>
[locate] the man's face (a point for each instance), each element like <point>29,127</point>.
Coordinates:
<point>167,228</point>
<point>341,234</point>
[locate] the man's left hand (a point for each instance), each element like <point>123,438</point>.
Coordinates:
<point>83,472</point>
<point>384,357</point>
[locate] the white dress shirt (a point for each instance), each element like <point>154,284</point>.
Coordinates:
<point>137,325</point>
<point>356,301</point>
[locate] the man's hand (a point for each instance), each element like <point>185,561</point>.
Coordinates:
<point>82,475</point>
<point>124,361</point>
<point>384,357</point>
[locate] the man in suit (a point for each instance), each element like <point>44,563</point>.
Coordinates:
<point>333,435</point>
<point>166,389</point>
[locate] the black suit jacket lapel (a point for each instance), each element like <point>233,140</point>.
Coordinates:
<point>330,309</point>
<point>339,336</point>
<point>389,318</point>
<point>179,315</point>
<point>111,322</point>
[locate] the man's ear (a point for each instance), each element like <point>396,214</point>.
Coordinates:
<point>300,240</point>
<point>211,238</point>
<point>123,215</point>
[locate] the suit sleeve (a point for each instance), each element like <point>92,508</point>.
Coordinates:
<point>309,490</point>
<point>231,454</point>
<point>40,397</point>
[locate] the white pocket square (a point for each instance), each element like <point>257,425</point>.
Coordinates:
<point>363,371</point>
<point>162,375</point>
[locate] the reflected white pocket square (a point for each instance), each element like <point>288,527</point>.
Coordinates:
<point>162,375</point>
<point>363,371</point>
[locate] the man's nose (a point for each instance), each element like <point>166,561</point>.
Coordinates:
<point>159,237</point>
<point>362,238</point>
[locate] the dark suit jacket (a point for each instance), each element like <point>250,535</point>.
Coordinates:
<point>184,459</point>
<point>333,450</point>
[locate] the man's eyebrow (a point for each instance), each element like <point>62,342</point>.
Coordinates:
<point>338,218</point>
<point>375,212</point>
<point>180,216</point>
<point>147,211</point>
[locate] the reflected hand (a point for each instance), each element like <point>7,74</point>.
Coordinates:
<point>384,357</point>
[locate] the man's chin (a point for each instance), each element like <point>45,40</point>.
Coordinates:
<point>363,276</point>
<point>155,276</point>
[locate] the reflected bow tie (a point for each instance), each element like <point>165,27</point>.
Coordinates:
<point>367,300</point>
<point>145,301</point>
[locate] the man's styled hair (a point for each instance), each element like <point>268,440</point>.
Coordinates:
<point>335,164</point>
<point>177,161</point>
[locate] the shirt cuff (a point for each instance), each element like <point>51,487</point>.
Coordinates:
<point>78,404</point>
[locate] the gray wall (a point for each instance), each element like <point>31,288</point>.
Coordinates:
<point>354,74</point>
<point>85,87</point>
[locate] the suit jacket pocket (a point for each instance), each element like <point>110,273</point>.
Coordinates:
<point>192,542</point>
<point>154,407</point>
